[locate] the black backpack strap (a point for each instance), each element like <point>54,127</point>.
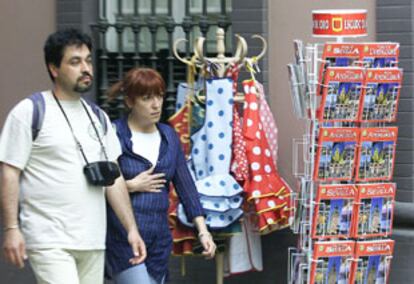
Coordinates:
<point>99,114</point>
<point>38,113</point>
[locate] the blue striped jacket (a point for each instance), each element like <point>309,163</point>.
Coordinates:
<point>150,209</point>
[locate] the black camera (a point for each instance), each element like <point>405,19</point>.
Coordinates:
<point>103,173</point>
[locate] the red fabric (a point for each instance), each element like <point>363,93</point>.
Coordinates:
<point>266,189</point>
<point>181,123</point>
<point>183,237</point>
<point>238,167</point>
<point>233,73</point>
<point>268,122</point>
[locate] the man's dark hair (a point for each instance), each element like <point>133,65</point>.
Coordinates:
<point>58,41</point>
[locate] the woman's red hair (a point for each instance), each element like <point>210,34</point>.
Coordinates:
<point>138,82</point>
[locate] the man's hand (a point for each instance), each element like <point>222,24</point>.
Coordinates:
<point>147,182</point>
<point>14,247</point>
<point>138,247</point>
<point>208,244</point>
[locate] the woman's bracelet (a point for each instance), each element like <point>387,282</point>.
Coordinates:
<point>202,234</point>
<point>11,227</point>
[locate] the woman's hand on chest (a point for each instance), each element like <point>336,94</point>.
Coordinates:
<point>147,181</point>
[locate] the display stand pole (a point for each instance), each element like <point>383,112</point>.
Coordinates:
<point>219,268</point>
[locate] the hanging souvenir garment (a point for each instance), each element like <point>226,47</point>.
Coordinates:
<point>185,241</point>
<point>238,167</point>
<point>233,73</point>
<point>183,237</point>
<point>183,91</point>
<point>198,112</point>
<point>238,157</point>
<point>268,122</point>
<point>244,250</point>
<point>220,194</point>
<point>183,121</point>
<point>190,116</point>
<point>265,188</point>
<point>180,121</point>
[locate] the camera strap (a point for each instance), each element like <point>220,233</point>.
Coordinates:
<point>73,133</point>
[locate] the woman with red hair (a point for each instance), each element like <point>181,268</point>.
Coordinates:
<point>151,158</point>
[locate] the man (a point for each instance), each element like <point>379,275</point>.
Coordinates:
<point>51,214</point>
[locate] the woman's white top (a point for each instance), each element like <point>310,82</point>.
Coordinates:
<point>146,145</point>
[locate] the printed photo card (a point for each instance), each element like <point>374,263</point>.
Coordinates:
<point>334,214</point>
<point>381,95</point>
<point>342,93</point>
<point>336,153</point>
<point>380,54</point>
<point>337,55</point>
<point>372,262</point>
<point>376,155</point>
<point>375,210</point>
<point>332,262</point>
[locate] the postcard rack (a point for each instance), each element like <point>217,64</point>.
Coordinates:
<point>344,163</point>
<point>347,93</point>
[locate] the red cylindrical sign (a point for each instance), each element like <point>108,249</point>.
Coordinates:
<point>336,23</point>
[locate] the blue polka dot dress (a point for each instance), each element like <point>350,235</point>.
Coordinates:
<point>220,194</point>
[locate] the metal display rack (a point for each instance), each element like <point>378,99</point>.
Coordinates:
<point>304,81</point>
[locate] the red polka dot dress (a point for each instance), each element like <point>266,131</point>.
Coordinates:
<point>268,123</point>
<point>265,188</point>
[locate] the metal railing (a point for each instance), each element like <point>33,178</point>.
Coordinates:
<point>156,31</point>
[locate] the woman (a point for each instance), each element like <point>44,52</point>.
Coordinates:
<point>151,158</point>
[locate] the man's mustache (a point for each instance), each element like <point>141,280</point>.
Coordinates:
<point>85,75</point>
